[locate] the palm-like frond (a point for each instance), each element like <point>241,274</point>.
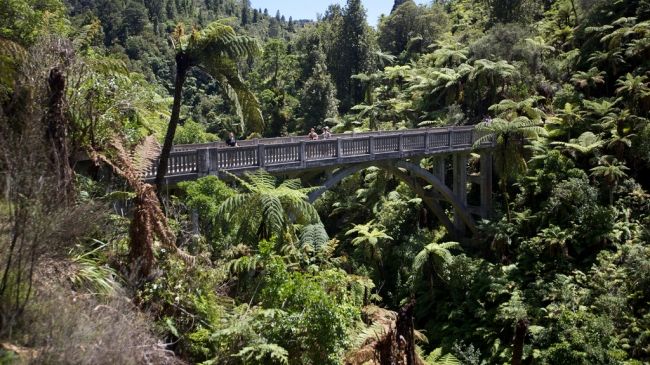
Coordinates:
<point>589,78</point>
<point>216,49</point>
<point>315,235</point>
<point>279,205</point>
<point>149,222</point>
<point>585,144</point>
<point>439,253</point>
<point>437,358</point>
<point>273,212</point>
<point>610,169</point>
<point>244,264</point>
<point>367,234</point>
<point>263,353</point>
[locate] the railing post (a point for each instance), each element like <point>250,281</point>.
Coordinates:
<point>339,149</point>
<point>427,138</point>
<point>214,161</point>
<point>400,143</point>
<point>260,155</point>
<point>203,161</point>
<point>371,146</point>
<point>301,154</point>
<point>451,136</point>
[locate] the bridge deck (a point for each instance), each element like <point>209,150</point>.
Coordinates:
<point>187,162</point>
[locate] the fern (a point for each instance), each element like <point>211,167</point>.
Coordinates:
<point>437,358</point>
<point>277,207</point>
<point>315,235</point>
<point>263,353</point>
<point>243,264</point>
<point>144,155</point>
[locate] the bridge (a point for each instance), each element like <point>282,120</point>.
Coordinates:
<point>342,155</point>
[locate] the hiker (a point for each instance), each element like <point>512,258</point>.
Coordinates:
<point>231,141</point>
<point>326,133</point>
<point>312,135</point>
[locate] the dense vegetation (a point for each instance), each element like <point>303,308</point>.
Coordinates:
<point>97,266</point>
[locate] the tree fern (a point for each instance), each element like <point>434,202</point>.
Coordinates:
<point>279,205</point>
<point>149,222</point>
<point>216,49</point>
<point>438,254</point>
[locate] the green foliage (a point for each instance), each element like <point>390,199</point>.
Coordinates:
<point>216,49</point>
<point>94,276</point>
<point>193,132</point>
<point>24,21</point>
<point>277,206</point>
<point>438,255</point>
<point>318,99</point>
<point>561,88</point>
<point>409,22</point>
<point>436,357</point>
<point>263,353</point>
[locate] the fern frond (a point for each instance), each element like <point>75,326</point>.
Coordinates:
<point>263,353</point>
<point>437,358</point>
<point>145,155</point>
<point>243,264</point>
<point>273,210</point>
<point>315,235</point>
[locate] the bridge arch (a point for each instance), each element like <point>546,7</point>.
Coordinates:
<point>409,173</point>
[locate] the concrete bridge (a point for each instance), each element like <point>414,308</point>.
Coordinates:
<point>342,155</point>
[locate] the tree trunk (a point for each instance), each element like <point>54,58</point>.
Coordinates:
<point>405,337</point>
<point>575,12</point>
<point>518,343</point>
<point>57,132</point>
<point>182,66</point>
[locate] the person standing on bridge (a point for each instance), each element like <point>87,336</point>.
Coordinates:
<point>326,133</point>
<point>312,135</point>
<point>231,141</point>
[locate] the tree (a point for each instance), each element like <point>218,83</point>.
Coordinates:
<point>215,50</point>
<point>397,4</point>
<point>408,22</point>
<point>635,89</point>
<point>589,80</point>
<point>268,209</point>
<point>436,256</point>
<point>489,75</point>
<point>149,222</point>
<point>611,171</point>
<point>318,100</point>
<point>368,237</point>
<point>245,11</point>
<point>507,11</point>
<point>352,54</point>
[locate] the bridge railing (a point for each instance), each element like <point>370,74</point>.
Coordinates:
<point>298,152</point>
<point>295,139</point>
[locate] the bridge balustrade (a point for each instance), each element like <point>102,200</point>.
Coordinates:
<point>189,161</point>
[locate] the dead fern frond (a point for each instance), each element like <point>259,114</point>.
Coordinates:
<point>368,341</point>
<point>149,221</point>
<point>145,155</point>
